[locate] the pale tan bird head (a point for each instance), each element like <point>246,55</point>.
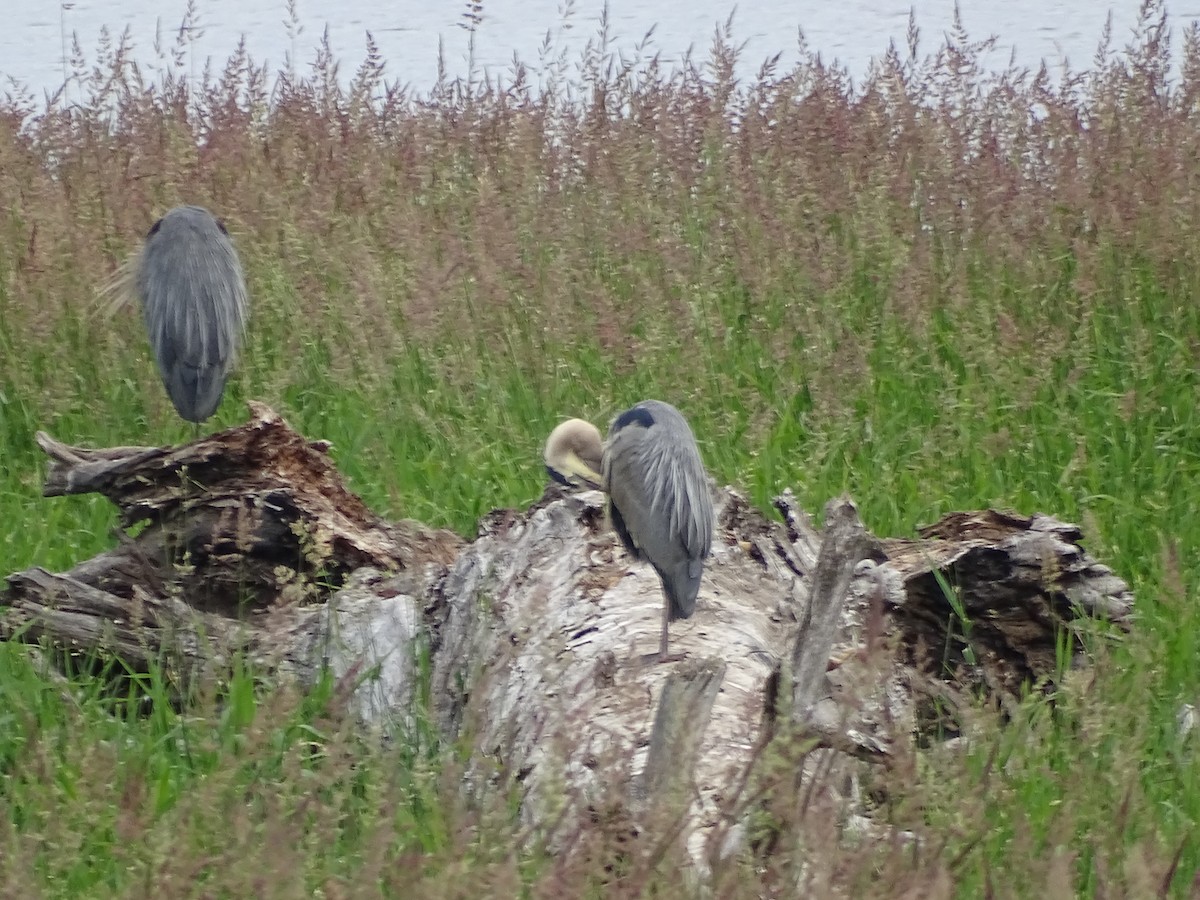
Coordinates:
<point>574,453</point>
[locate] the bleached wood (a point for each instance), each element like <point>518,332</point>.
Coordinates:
<point>844,545</point>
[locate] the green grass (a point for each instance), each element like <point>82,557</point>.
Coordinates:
<point>100,785</point>
<point>435,286</point>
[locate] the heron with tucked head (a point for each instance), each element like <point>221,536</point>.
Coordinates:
<point>658,498</point>
<point>193,296</point>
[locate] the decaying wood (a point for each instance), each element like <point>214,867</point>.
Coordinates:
<point>1007,587</point>
<point>680,722</point>
<point>255,514</point>
<point>251,544</point>
<point>245,536</point>
<point>844,546</point>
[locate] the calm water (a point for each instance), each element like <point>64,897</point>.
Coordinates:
<point>408,33</point>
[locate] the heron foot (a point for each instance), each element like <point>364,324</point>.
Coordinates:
<point>651,659</point>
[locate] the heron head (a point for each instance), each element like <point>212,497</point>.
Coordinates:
<point>573,454</point>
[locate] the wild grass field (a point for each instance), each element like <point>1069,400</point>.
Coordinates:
<point>939,289</point>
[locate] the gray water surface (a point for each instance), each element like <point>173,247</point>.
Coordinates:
<point>33,36</point>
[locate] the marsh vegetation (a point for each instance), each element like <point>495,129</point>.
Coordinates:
<point>940,289</point>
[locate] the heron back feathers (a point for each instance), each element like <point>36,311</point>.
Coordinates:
<point>194,305</point>
<point>658,497</point>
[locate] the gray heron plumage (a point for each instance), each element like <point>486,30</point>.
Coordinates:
<point>193,296</point>
<point>658,498</point>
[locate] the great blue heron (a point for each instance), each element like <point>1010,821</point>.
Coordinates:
<point>658,499</point>
<point>193,298</point>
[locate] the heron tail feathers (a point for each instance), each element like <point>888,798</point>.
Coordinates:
<point>681,588</point>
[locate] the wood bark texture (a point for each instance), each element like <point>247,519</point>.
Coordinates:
<point>247,542</point>
<point>250,543</point>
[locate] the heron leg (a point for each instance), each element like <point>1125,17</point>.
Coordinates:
<point>662,656</point>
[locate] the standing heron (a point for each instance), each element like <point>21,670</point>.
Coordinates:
<point>193,296</point>
<point>658,499</point>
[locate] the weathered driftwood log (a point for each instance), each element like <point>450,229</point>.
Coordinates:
<point>536,628</point>
<point>545,618</point>
<point>244,536</point>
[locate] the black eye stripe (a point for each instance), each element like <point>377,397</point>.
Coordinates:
<point>154,229</point>
<point>636,416</point>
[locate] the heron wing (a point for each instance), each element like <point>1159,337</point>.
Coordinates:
<point>659,498</point>
<point>194,305</point>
